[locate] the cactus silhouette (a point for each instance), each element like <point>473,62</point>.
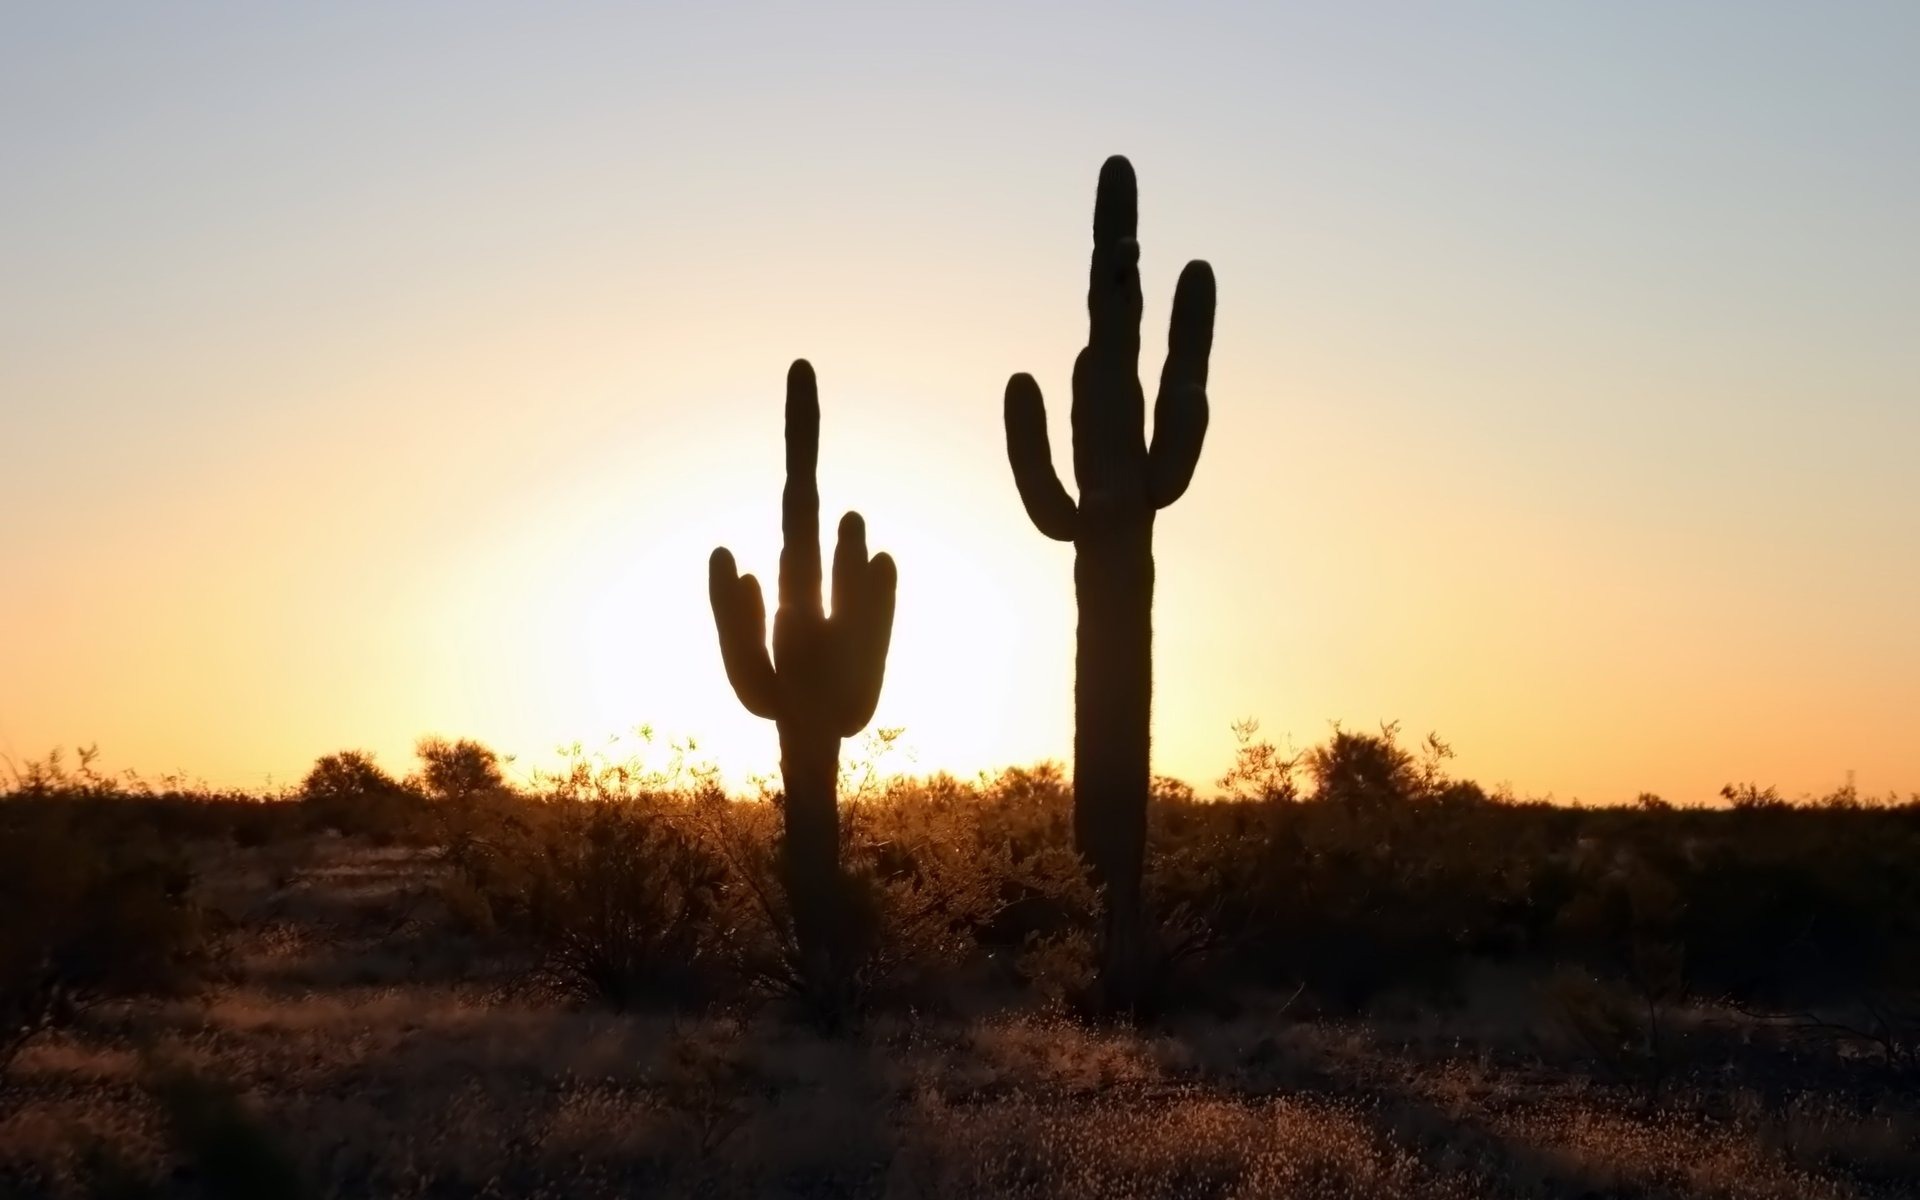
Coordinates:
<point>821,682</point>
<point>1123,482</point>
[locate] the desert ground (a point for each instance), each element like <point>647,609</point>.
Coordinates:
<point>362,1014</point>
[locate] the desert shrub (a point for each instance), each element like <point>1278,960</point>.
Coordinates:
<point>1625,926</point>
<point>755,929</point>
<point>1608,1026</point>
<point>938,876</point>
<point>1388,876</point>
<point>170,808</point>
<point>1261,771</point>
<point>1362,771</point>
<point>623,905</point>
<point>457,771</point>
<point>1810,916</point>
<point>942,874</point>
<point>617,901</point>
<point>348,792</point>
<point>1753,798</point>
<point>1347,897</point>
<point>754,926</point>
<point>86,917</point>
<point>620,882</point>
<point>601,869</point>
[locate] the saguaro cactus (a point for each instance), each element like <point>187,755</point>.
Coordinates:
<point>821,682</point>
<point>1123,483</point>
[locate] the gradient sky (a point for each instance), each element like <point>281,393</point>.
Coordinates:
<point>371,370</point>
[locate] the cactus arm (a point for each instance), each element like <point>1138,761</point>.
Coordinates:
<point>800,500</point>
<point>1179,426</point>
<point>1190,332</point>
<point>849,568</point>
<point>1180,411</point>
<point>1031,456</point>
<point>740,616</point>
<point>883,581</point>
<point>862,643</point>
<point>862,626</point>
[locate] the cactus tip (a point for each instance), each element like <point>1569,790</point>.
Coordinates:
<point>1116,203</point>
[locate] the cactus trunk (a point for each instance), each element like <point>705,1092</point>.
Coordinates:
<point>1123,482</point>
<point>810,849</point>
<point>1113,684</point>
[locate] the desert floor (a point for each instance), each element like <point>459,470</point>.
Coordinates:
<point>355,1042</point>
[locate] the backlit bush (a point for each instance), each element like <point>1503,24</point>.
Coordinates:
<point>349,792</point>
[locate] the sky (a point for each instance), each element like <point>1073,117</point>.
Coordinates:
<point>376,370</point>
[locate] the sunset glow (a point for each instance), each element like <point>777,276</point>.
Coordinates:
<point>380,371</point>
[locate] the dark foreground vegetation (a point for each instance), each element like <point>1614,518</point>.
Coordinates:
<point>1366,979</point>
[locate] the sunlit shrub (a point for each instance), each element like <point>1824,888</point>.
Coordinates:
<point>1261,772</point>
<point>456,771</point>
<point>617,900</point>
<point>623,905</point>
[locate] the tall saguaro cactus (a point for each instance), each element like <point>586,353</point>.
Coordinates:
<point>1123,482</point>
<point>821,682</point>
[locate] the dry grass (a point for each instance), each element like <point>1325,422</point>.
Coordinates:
<point>1181,1143</point>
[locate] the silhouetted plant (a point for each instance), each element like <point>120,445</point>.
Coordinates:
<point>1362,771</point>
<point>1260,771</point>
<point>930,883</point>
<point>458,770</point>
<point>613,890</point>
<point>1123,483</point>
<point>617,882</point>
<point>821,682</point>
<point>349,792</point>
<point>622,913</point>
<point>1749,797</point>
<point>931,868</point>
<point>85,917</point>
